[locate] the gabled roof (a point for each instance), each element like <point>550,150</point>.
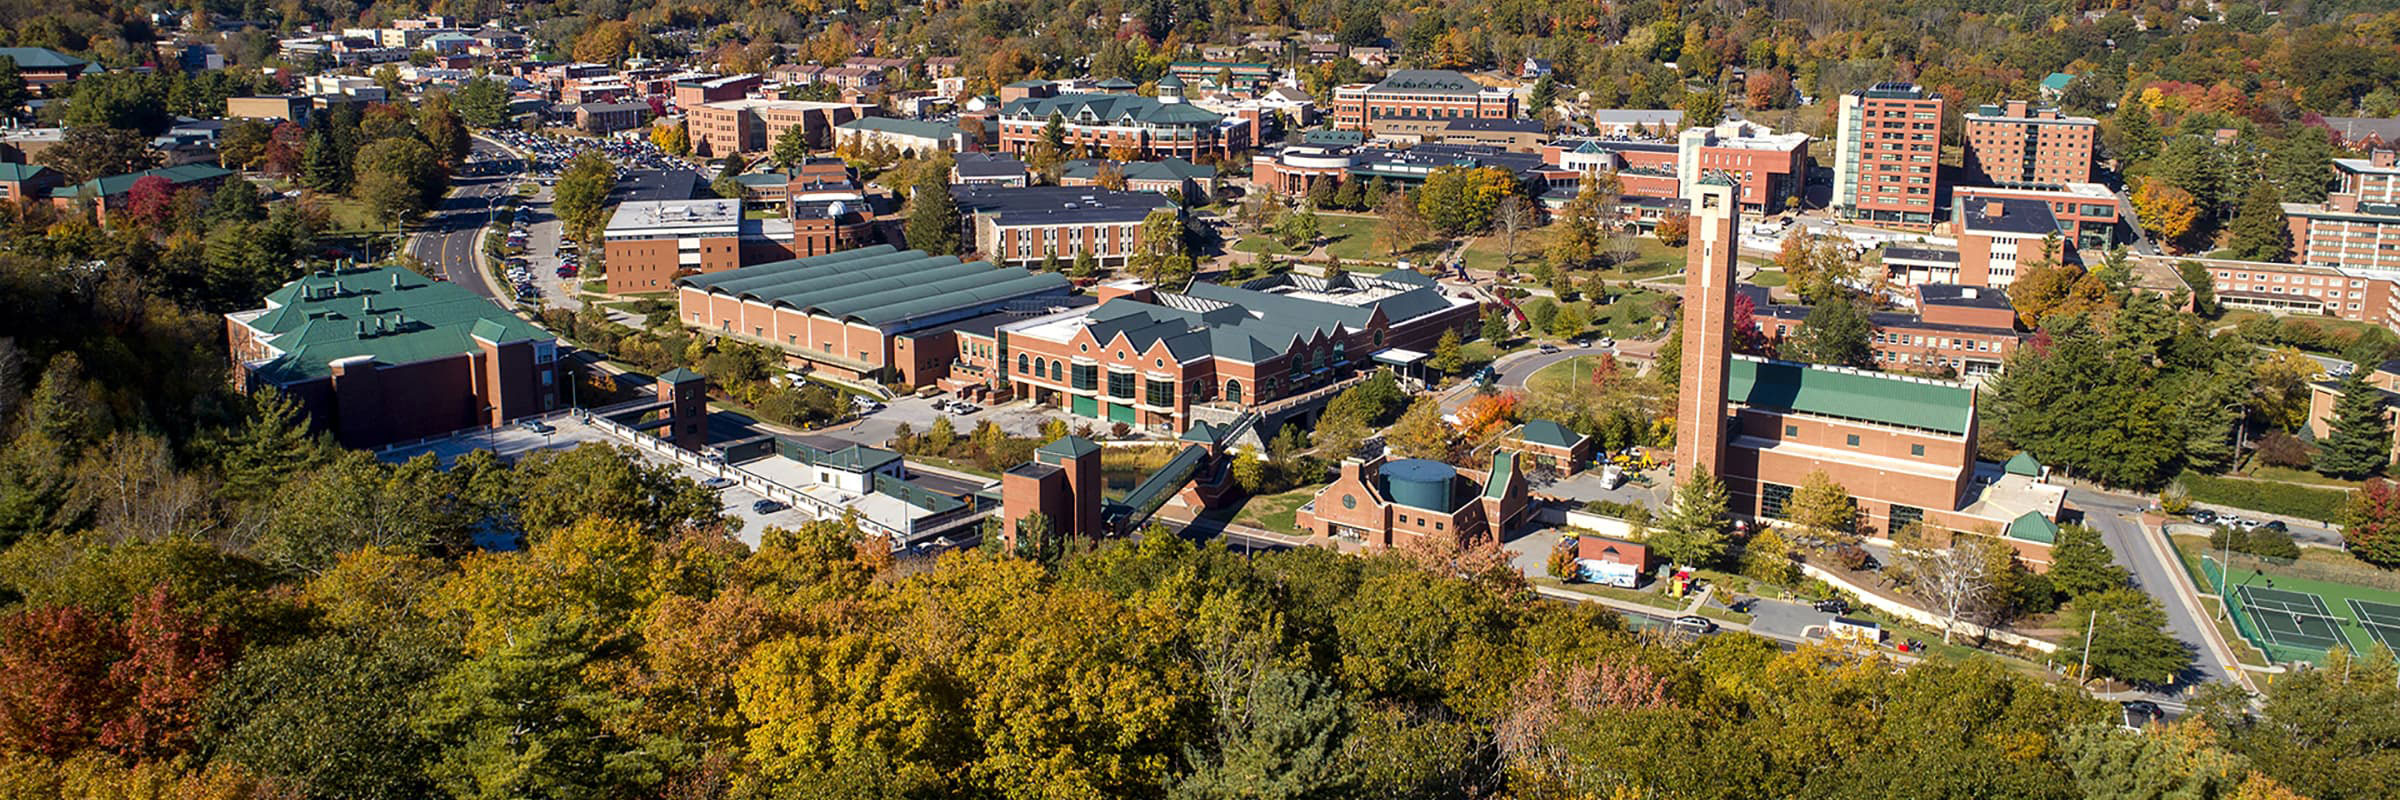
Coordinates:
<point>1546,432</point>
<point>1111,109</point>
<point>42,58</point>
<point>2057,81</point>
<point>1172,169</point>
<point>679,375</point>
<point>112,185</point>
<point>20,172</point>
<point>389,314</point>
<point>1939,406</point>
<point>2022,464</point>
<point>881,286</point>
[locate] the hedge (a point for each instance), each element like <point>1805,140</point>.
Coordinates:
<point>2273,498</point>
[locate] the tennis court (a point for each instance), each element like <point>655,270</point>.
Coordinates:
<point>2289,619</point>
<point>2381,620</point>
<point>2293,618</point>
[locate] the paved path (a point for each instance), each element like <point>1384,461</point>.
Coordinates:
<point>2142,552</point>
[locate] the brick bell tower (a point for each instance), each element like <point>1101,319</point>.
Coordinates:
<point>1707,323</point>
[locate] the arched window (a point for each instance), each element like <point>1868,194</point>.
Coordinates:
<point>1233,390</point>
<point>1021,361</point>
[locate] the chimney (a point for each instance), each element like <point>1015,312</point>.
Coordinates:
<point>1995,209</point>
<point>2016,108</point>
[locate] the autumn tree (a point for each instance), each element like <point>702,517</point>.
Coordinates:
<point>1421,433</point>
<point>2167,212</point>
<point>1825,510</point>
<point>1957,581</point>
<point>2370,521</point>
<point>1693,532</point>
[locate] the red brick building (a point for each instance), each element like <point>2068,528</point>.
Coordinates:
<point>1548,446</point>
<point>2014,144</point>
<point>648,244</point>
<point>736,127</point>
<point>1418,102</point>
<point>385,355</point>
<point>2305,289</point>
<point>874,313</point>
<point>2358,225</point>
<point>1887,157</point>
<point>1904,448</point>
<point>1969,331</point>
<point>1378,504</point>
<point>1770,169</point>
<point>1062,483</point>
<point>694,92</point>
<point>1147,359</point>
<point>1100,124</point>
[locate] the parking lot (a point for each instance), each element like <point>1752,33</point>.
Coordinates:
<point>874,430</point>
<point>514,441</point>
<point>546,155</point>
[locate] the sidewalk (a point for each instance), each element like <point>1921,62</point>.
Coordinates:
<point>2154,537</point>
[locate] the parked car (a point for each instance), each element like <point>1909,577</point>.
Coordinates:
<point>2277,526</point>
<point>1695,624</point>
<point>1548,348</point>
<point>2251,524</point>
<point>717,483</point>
<point>536,426</point>
<point>766,507</point>
<point>1832,606</point>
<point>2204,516</point>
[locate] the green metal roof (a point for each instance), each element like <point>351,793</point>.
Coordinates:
<point>1851,394</point>
<point>112,185</point>
<point>2057,81</point>
<point>41,58</point>
<point>894,290</point>
<point>20,172</point>
<point>1546,432</point>
<point>679,375</point>
<point>915,495</point>
<point>390,314</point>
<point>855,458</point>
<point>1504,467</point>
<point>2031,526</point>
<point>1069,446</point>
<point>2023,464</point>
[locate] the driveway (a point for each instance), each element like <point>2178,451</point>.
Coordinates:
<point>2116,518</point>
<point>1783,619</point>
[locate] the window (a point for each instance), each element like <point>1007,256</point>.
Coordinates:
<point>1159,393</point>
<point>1087,377</point>
<point>1853,440</point>
<point>1916,449</point>
<point>1791,430</point>
<point>1023,362</point>
<point>1905,517</point>
<point>1233,390</point>
<point>1349,501</point>
<point>1772,497</point>
<point>1120,384</point>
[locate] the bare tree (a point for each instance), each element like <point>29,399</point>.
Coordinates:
<point>1957,582</point>
<point>1513,217</point>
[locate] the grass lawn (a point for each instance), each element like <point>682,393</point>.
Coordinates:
<point>1358,238</point>
<point>1633,315</point>
<point>1484,252</point>
<point>2290,475</point>
<point>1650,259</point>
<point>955,466</point>
<point>347,215</point>
<point>1769,277</point>
<point>1563,375</point>
<point>1276,512</point>
<point>1265,243</point>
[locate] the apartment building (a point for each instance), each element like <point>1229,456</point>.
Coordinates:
<point>2088,214</point>
<point>700,90</point>
<point>2358,225</point>
<point>1969,331</point>
<point>2352,294</point>
<point>1100,123</point>
<point>736,127</point>
<point>1418,102</point>
<point>2015,144</point>
<point>1887,155</point>
<point>1023,225</point>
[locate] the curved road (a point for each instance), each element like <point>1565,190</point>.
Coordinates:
<point>451,235</point>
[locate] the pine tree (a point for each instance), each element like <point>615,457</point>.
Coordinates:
<point>1693,532</point>
<point>2361,440</point>
<point>272,447</point>
<point>1495,326</point>
<point>932,224</point>
<point>322,166</point>
<point>2259,232</point>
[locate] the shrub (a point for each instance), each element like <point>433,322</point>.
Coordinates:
<point>2273,498</point>
<point>2260,542</point>
<point>2281,449</point>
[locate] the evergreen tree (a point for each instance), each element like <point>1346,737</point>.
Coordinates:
<point>1495,326</point>
<point>932,224</point>
<point>2259,232</point>
<point>12,86</point>
<point>1836,332</point>
<point>274,446</point>
<point>1693,532</point>
<point>322,165</point>
<point>2080,563</point>
<point>2361,439</point>
<point>2135,137</point>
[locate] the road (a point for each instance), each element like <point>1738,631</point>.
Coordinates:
<point>2118,519</point>
<point>451,235</point>
<point>1515,368</point>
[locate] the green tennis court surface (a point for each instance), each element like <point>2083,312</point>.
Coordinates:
<point>2298,619</point>
<point>2291,619</point>
<point>2381,620</point>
